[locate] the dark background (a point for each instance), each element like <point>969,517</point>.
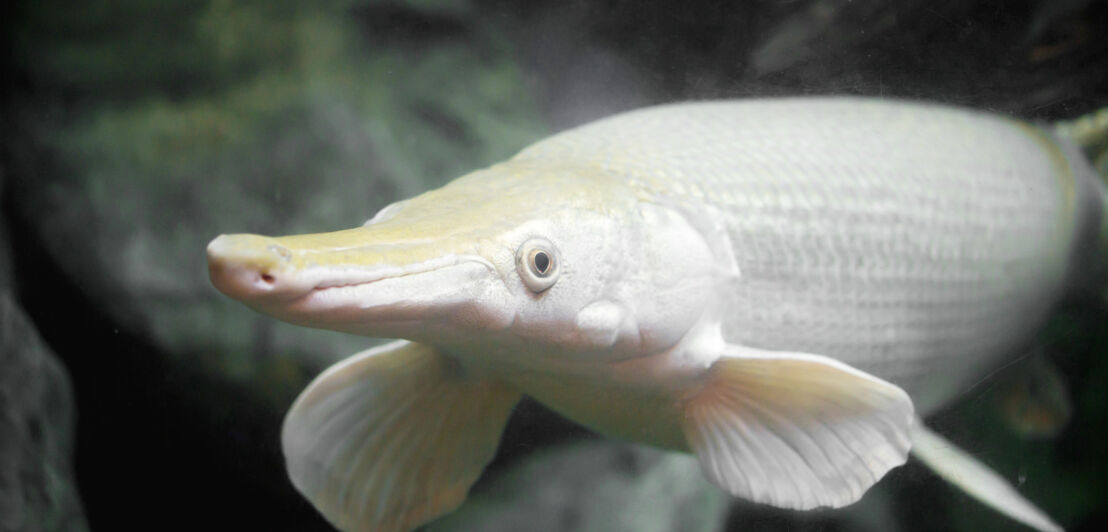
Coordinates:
<point>134,131</point>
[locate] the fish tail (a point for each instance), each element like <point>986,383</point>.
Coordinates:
<point>1089,134</point>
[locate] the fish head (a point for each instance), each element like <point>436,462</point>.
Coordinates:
<point>515,257</point>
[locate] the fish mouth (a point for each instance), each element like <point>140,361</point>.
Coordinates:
<point>344,287</point>
<point>409,294</point>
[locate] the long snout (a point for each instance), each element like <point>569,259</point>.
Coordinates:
<point>254,268</point>
<point>351,280</point>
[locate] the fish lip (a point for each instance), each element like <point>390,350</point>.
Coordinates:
<point>402,306</point>
<point>359,278</point>
<point>354,282</point>
<point>265,275</point>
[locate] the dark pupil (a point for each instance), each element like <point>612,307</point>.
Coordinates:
<point>542,262</point>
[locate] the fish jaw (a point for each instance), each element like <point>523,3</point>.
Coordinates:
<point>350,281</point>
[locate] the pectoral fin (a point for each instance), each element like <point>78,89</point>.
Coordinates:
<point>393,437</point>
<point>796,430</point>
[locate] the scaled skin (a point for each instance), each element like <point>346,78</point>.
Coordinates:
<point>896,238</point>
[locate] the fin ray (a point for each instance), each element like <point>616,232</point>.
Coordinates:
<point>392,437</point>
<point>796,430</point>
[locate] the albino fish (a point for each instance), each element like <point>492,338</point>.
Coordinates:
<point>782,287</point>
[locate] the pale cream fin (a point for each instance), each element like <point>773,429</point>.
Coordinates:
<point>796,430</point>
<point>392,437</point>
<point>977,480</point>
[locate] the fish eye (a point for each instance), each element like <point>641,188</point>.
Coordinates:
<point>537,263</point>
<point>540,262</point>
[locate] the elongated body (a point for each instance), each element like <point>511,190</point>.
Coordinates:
<point>778,286</point>
<point>897,238</point>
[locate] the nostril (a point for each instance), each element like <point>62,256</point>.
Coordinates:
<point>268,278</point>
<point>281,251</point>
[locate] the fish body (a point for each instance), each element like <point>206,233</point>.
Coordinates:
<point>897,238</point>
<point>779,286</point>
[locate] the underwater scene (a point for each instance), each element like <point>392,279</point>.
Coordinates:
<point>856,280</point>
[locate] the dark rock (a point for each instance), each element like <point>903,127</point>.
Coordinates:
<point>38,491</point>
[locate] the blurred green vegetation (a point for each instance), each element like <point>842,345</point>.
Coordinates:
<point>142,129</point>
<point>266,117</point>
